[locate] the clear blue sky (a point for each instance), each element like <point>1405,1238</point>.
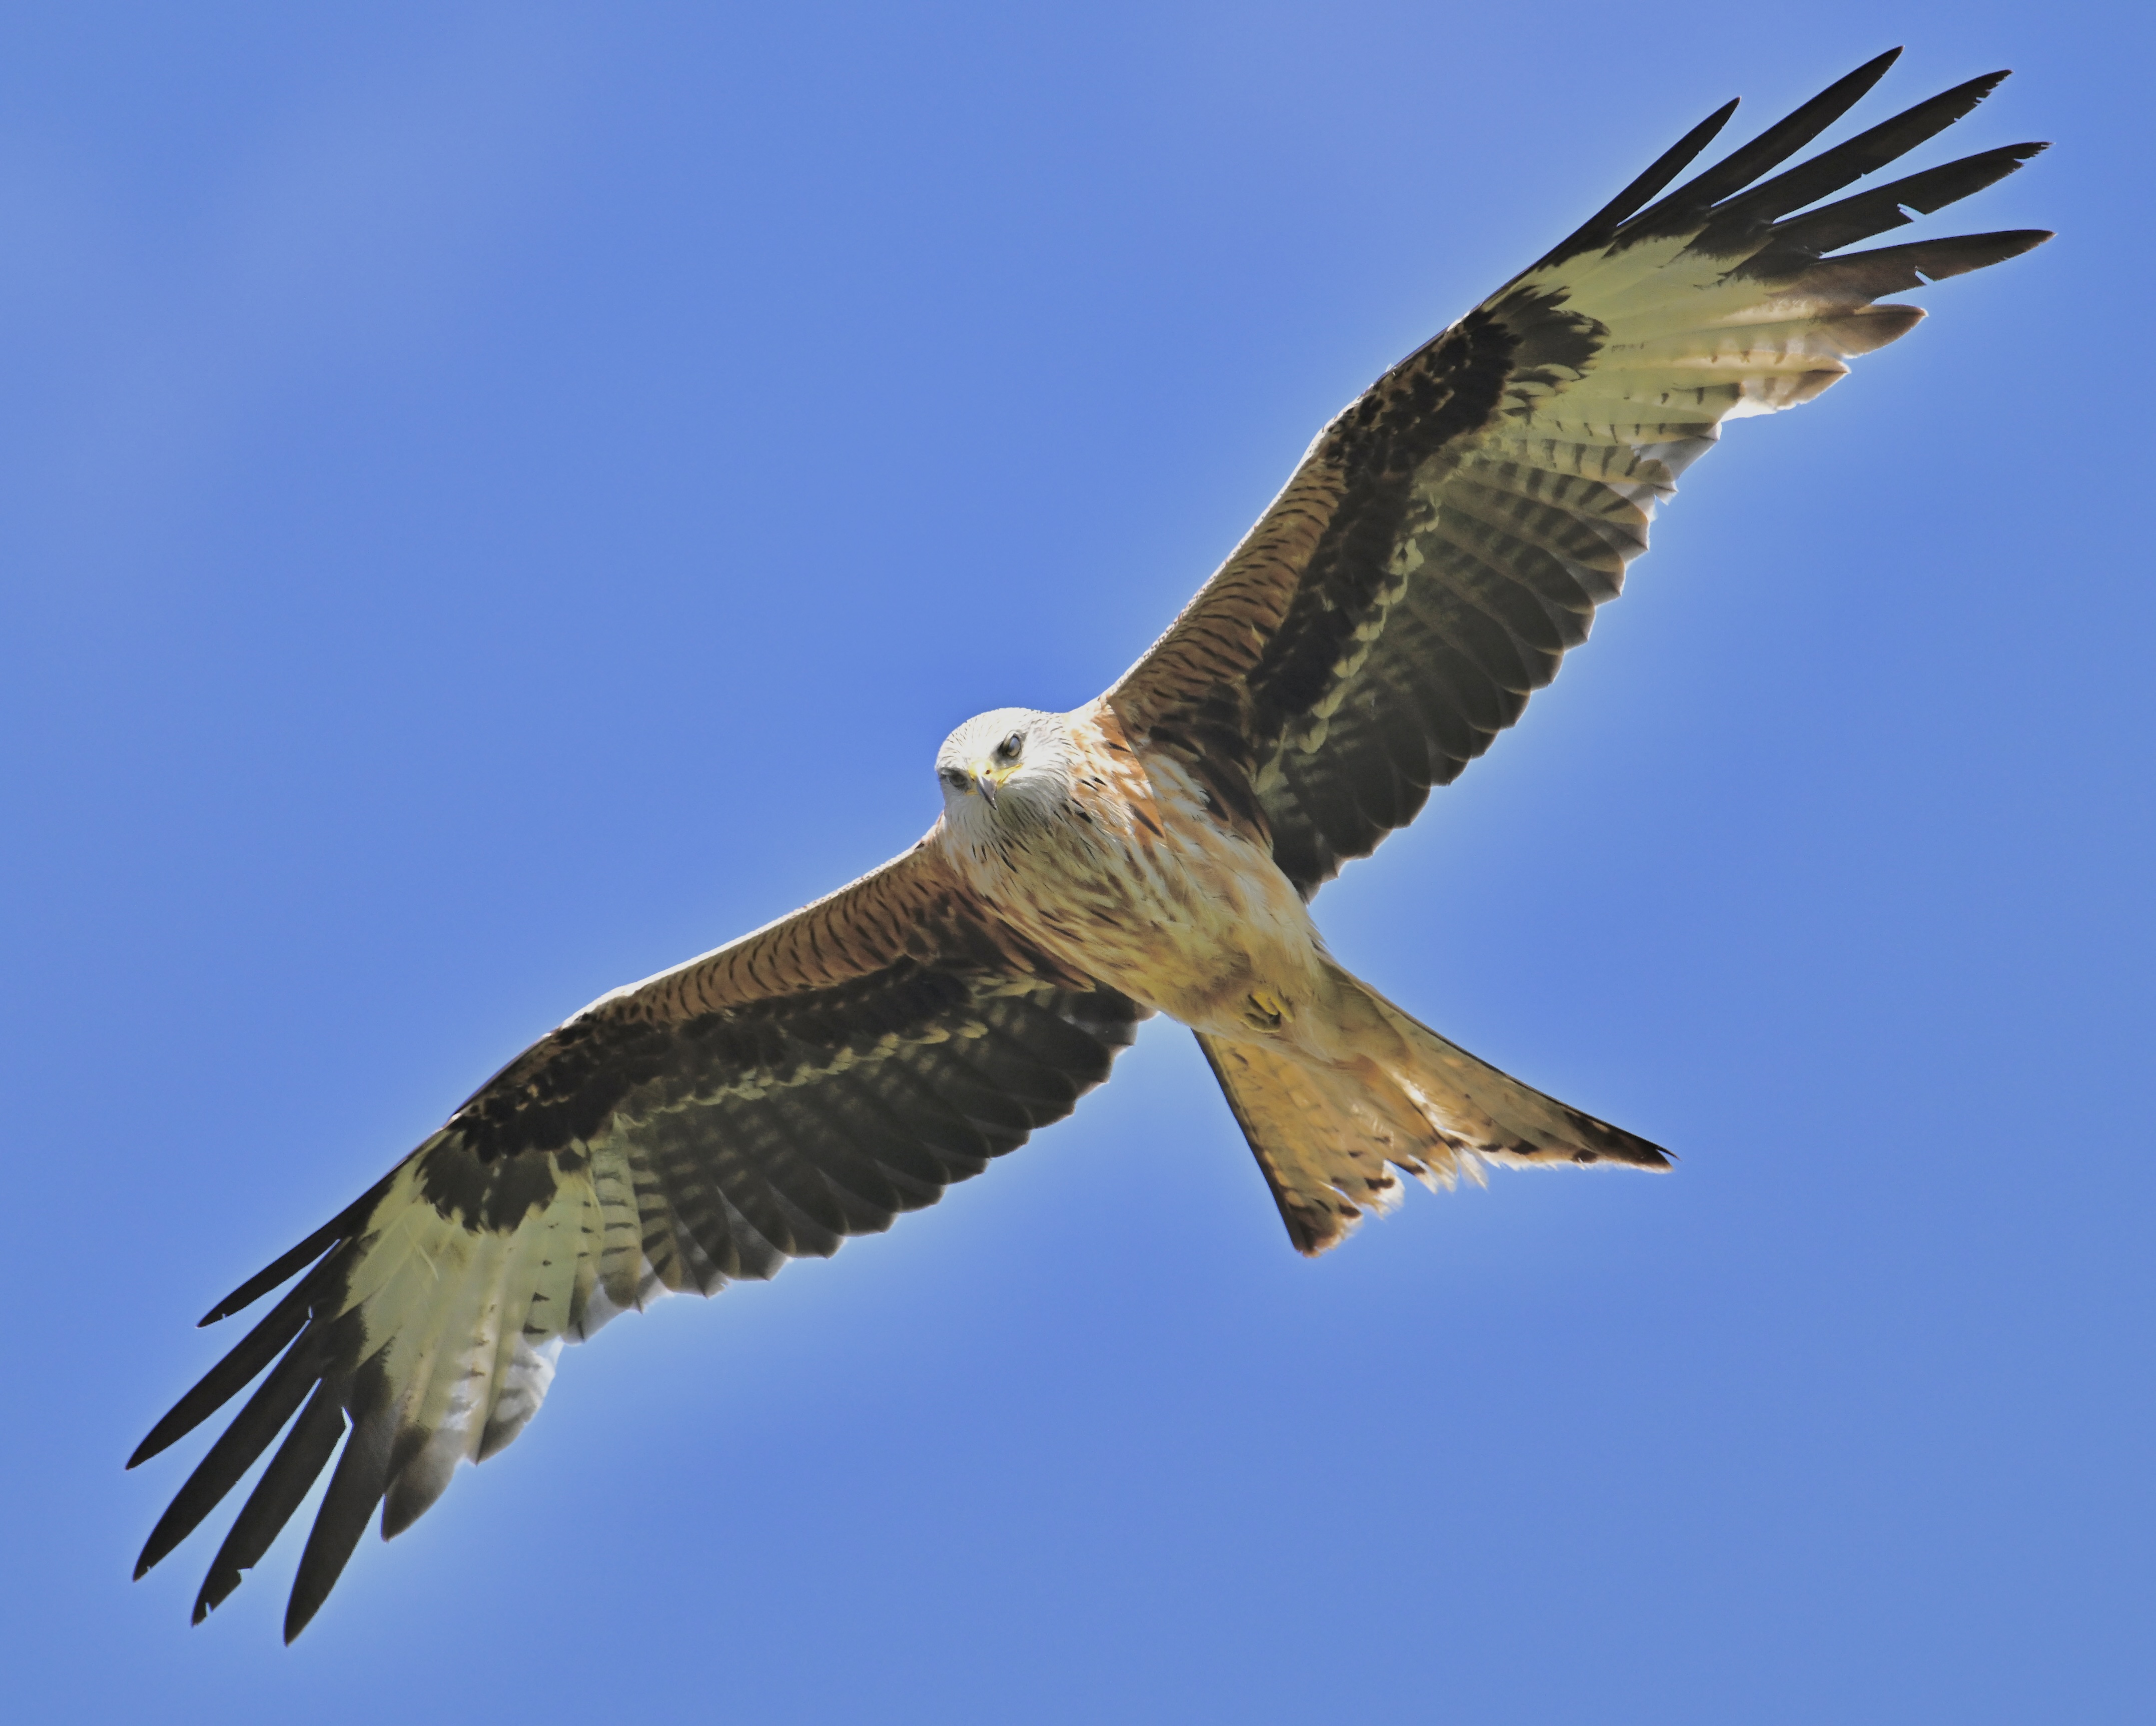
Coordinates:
<point>498,498</point>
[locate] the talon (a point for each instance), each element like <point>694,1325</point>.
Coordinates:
<point>1268,1011</point>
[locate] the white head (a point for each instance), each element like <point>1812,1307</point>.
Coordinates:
<point>1004,771</point>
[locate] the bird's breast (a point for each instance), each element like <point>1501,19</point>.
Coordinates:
<point>1137,883</point>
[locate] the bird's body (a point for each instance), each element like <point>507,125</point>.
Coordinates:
<point>1446,540</point>
<point>1113,858</point>
<point>1121,867</point>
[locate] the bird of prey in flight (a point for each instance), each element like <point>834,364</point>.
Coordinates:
<point>1442,543</point>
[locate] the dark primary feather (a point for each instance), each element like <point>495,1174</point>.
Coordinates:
<point>1600,227</point>
<point>1831,170</point>
<point>306,1253</point>
<point>299,1462</point>
<point>723,1121</point>
<point>256,1350</point>
<point>1683,208</point>
<point>237,1450</point>
<point>1449,538</point>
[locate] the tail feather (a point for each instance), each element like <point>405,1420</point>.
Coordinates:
<point>1325,1159</point>
<point>1328,1135</point>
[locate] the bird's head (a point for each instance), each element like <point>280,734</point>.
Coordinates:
<point>1003,770</point>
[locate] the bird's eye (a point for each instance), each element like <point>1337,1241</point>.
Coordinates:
<point>1008,748</point>
<point>954,777</point>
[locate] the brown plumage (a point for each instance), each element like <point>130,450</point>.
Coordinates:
<point>1443,544</point>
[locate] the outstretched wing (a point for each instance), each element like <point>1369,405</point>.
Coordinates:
<point>1449,537</point>
<point>807,1082</point>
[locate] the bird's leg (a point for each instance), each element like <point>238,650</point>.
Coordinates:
<point>1264,1009</point>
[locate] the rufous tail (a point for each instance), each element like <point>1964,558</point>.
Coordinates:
<point>1329,1136</point>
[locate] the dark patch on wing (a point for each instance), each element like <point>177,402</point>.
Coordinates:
<point>1446,389</point>
<point>747,1085</point>
<point>566,1086</point>
<point>494,1193</point>
<point>1448,668</point>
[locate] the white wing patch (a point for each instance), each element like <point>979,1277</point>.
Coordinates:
<point>1690,341</point>
<point>465,1324</point>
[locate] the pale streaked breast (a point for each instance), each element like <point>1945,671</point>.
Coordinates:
<point>1137,884</point>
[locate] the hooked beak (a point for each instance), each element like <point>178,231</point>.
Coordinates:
<point>983,778</point>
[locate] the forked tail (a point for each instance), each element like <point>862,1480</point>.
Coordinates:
<point>1329,1135</point>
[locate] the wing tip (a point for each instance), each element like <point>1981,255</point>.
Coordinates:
<point>297,1618</point>
<point>1863,77</point>
<point>169,1432</point>
<point>2008,242</point>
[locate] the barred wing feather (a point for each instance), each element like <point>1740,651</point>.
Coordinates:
<point>764,1102</point>
<point>1447,539</point>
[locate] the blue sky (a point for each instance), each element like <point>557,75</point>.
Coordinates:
<point>501,498</point>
